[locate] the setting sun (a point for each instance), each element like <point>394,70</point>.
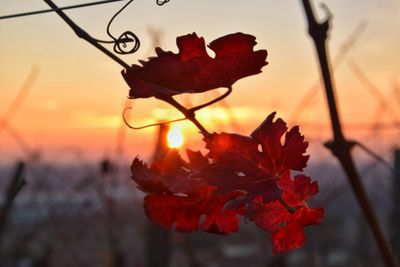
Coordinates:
<point>174,138</point>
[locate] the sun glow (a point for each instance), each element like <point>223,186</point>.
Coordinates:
<point>174,138</point>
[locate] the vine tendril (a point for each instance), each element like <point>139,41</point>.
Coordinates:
<point>148,125</point>
<point>162,2</point>
<point>121,43</point>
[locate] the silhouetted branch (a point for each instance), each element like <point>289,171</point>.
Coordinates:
<point>61,8</point>
<point>188,113</point>
<point>375,156</point>
<point>15,185</point>
<point>340,147</point>
<point>84,35</point>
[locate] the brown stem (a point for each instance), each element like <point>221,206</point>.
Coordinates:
<point>340,147</point>
<point>84,35</point>
<point>188,113</point>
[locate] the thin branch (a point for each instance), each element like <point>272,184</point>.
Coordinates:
<point>372,89</point>
<point>60,8</point>
<point>84,35</point>
<point>18,138</point>
<point>340,147</point>
<point>27,85</point>
<point>189,114</point>
<point>5,120</point>
<point>375,155</point>
<point>14,187</point>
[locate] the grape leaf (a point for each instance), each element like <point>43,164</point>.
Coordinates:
<point>177,200</point>
<point>192,70</point>
<point>241,175</point>
<point>255,163</point>
<point>286,224</point>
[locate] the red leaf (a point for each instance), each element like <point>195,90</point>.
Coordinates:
<point>239,164</point>
<point>280,157</point>
<point>196,159</point>
<point>288,238</point>
<point>192,70</point>
<point>147,180</point>
<point>286,225</point>
<point>298,190</point>
<point>166,175</point>
<point>178,199</point>
<point>268,217</point>
<point>184,212</point>
<point>241,175</point>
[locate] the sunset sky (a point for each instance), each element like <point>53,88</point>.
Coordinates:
<point>77,100</point>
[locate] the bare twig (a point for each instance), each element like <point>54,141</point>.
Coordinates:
<point>372,89</point>
<point>26,87</point>
<point>375,156</point>
<point>340,147</point>
<point>61,8</point>
<point>15,185</point>
<point>5,120</point>
<point>84,35</point>
<point>188,113</point>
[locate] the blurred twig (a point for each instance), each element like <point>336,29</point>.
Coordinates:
<point>15,185</point>
<point>340,147</point>
<point>375,155</point>
<point>5,120</point>
<point>307,99</point>
<point>373,90</point>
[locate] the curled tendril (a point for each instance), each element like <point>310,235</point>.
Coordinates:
<point>162,2</point>
<point>126,43</point>
<point>121,47</point>
<point>148,125</point>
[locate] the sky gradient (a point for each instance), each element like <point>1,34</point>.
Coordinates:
<point>77,101</point>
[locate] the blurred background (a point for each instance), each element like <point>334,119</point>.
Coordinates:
<point>61,129</point>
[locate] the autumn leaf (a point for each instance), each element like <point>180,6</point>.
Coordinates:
<point>177,200</point>
<point>192,70</point>
<point>286,219</point>
<point>183,212</point>
<point>247,176</point>
<point>255,163</point>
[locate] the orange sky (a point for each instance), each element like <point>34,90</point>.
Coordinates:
<point>79,94</point>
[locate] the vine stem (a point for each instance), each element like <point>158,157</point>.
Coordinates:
<point>84,35</point>
<point>188,113</point>
<point>340,147</point>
